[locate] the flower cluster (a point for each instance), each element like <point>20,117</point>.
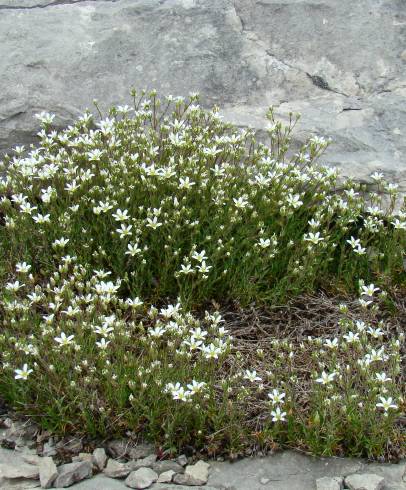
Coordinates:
<point>117,234</point>
<point>177,206</point>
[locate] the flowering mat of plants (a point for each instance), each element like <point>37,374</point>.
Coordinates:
<point>165,275</point>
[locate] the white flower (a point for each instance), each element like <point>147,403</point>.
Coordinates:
<point>375,332</point>
<point>314,223</point>
<point>399,225</point>
<point>354,242</point>
<point>199,256</point>
<point>45,117</point>
<point>211,351</point>
<point>134,303</point>
<point>364,303</point>
<point>252,376</point>
<point>264,243</point>
<point>124,109</point>
<point>133,249</point>
<point>198,333</point>
<point>124,230</point>
<point>351,337</point>
<point>361,326</point>
<point>293,200</point>
<point>153,223</point>
<point>313,237</point>
<point>369,290</point>
<point>22,373</point>
<point>94,155</point>
<point>104,330</point>
<point>23,267</point>
<point>40,218</point>
<point>61,242</point>
<point>121,215</point>
<point>240,203</point>
<point>185,183</point>
<point>382,378</point>
<point>14,286</point>
<point>193,343</point>
<point>71,311</point>
<point>276,396</point>
<point>377,176</point>
<point>186,269</point>
<point>326,378</point>
<point>64,340</point>
<point>278,415</point>
<point>360,250</point>
<point>386,403</point>
<point>102,344</point>
<point>331,344</point>
<point>196,387</point>
<point>204,268</point>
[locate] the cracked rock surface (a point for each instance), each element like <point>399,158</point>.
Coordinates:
<point>342,64</point>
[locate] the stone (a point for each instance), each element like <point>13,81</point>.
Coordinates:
<point>31,458</point>
<point>83,457</point>
<point>196,474</point>
<point>166,465</point>
<point>364,481</point>
<point>141,450</point>
<point>118,448</point>
<point>49,449</point>
<point>166,476</point>
<point>142,478</point>
<point>47,472</point>
<point>264,481</point>
<point>327,483</point>
<point>147,462</point>
<point>115,469</point>
<point>18,434</point>
<point>182,460</point>
<point>99,458</point>
<point>70,473</point>
<point>115,44</point>
<point>18,470</point>
<point>71,445</point>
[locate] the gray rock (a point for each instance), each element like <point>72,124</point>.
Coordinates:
<point>182,460</point>
<point>70,473</point>
<point>99,458</point>
<point>14,471</point>
<point>168,486</point>
<point>118,448</point>
<point>329,483</point>
<point>142,478</point>
<point>364,481</point>
<point>141,450</point>
<point>166,476</point>
<point>47,472</point>
<point>166,465</point>
<point>31,458</point>
<point>18,434</point>
<point>71,445</point>
<point>83,457</point>
<point>115,469</point>
<point>235,53</point>
<point>196,474</point>
<point>147,462</point>
<point>49,449</point>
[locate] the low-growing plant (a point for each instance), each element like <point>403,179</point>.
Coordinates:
<point>177,203</point>
<point>117,236</point>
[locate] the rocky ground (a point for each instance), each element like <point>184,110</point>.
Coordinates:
<point>341,63</point>
<point>30,458</point>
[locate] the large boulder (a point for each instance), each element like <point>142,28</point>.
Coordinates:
<point>342,64</point>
